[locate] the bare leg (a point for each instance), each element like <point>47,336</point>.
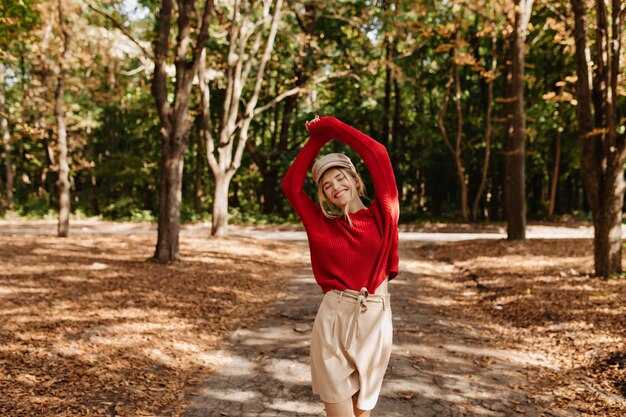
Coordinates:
<point>342,409</point>
<point>357,411</point>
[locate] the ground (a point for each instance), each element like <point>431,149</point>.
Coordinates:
<point>482,327</point>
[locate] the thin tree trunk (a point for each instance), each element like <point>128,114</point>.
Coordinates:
<point>198,188</point>
<point>397,144</point>
<point>515,191</point>
<point>460,171</point>
<point>6,141</point>
<point>95,207</point>
<point>488,128</point>
<point>63,182</point>
<point>555,174</point>
<point>387,98</point>
<point>455,150</point>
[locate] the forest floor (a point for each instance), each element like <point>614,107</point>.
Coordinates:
<point>482,327</point>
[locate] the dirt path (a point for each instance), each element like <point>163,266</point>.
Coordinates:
<point>441,366</point>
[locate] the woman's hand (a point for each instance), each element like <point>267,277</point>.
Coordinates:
<point>315,120</point>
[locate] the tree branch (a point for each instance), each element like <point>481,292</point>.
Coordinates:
<point>297,90</point>
<point>122,29</point>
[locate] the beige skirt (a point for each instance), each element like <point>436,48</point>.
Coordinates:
<point>350,346</point>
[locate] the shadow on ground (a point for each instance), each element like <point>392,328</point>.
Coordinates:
<point>441,365</point>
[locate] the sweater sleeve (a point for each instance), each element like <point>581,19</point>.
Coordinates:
<point>294,179</point>
<point>374,155</point>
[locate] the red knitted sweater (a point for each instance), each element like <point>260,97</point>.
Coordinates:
<point>344,256</point>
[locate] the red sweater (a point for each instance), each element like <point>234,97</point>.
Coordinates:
<point>344,256</point>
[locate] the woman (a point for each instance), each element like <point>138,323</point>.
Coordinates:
<point>354,252</point>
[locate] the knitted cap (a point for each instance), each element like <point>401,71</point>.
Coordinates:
<point>332,160</point>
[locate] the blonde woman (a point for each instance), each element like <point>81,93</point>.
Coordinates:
<point>354,253</point>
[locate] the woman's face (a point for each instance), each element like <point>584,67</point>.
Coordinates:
<point>337,188</point>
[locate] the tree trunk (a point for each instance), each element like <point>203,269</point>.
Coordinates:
<point>456,149</point>
<point>460,170</point>
<point>198,194</point>
<point>397,148</point>
<point>170,194</point>
<point>174,116</point>
<point>269,169</point>
<point>608,228</point>
<point>488,129</point>
<point>555,174</point>
<point>6,141</point>
<point>270,185</point>
<point>515,157</point>
<point>602,151</point>
<point>95,209</point>
<point>387,98</point>
<point>93,182</point>
<point>220,203</point>
<point>63,170</point>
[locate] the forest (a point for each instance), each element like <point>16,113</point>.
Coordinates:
<point>430,80</point>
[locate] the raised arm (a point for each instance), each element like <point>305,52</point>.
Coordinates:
<point>294,179</point>
<point>372,152</point>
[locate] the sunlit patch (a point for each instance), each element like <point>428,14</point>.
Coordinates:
<point>511,356</point>
<point>269,336</point>
<point>26,379</point>
<point>69,349</point>
<point>23,290</point>
<point>227,364</point>
<point>97,266</point>
<point>185,347</point>
<point>434,301</point>
<point>299,407</point>
<point>7,290</point>
<point>422,386</point>
<point>289,371</point>
<point>142,327</point>
<point>160,356</point>
<point>233,395</point>
<point>71,279</point>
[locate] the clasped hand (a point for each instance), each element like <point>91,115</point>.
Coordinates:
<point>307,124</point>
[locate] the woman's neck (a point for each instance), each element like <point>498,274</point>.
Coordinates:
<point>355,205</point>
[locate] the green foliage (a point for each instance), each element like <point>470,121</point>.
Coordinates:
<point>36,207</point>
<point>113,127</point>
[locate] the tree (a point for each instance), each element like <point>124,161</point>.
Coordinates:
<point>602,149</point>
<point>454,80</point>
<point>245,38</point>
<point>174,114</point>
<point>489,76</point>
<point>6,141</point>
<point>515,150</point>
<point>63,181</point>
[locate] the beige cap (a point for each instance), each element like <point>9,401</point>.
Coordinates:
<point>332,160</point>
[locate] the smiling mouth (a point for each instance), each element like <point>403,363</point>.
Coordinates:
<point>340,193</point>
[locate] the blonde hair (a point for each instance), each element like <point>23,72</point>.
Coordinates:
<point>330,210</point>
